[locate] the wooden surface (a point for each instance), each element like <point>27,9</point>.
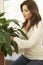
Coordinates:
<point>1,58</point>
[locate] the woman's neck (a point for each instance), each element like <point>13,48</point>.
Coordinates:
<point>27,26</point>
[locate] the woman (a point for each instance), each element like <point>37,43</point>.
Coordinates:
<point>33,51</point>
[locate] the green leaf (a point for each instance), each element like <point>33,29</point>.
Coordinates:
<point>0,46</point>
<point>15,35</point>
<point>2,38</point>
<point>7,49</point>
<point>13,20</point>
<point>4,49</point>
<point>23,33</point>
<point>3,20</point>
<point>15,46</point>
<point>10,51</point>
<point>10,30</point>
<point>4,27</point>
<point>13,32</point>
<point>2,14</point>
<point>5,52</point>
<point>7,36</point>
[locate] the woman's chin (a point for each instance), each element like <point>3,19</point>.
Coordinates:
<point>25,18</point>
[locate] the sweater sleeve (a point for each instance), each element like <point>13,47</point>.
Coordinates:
<point>34,38</point>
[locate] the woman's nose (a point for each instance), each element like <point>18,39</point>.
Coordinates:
<point>23,13</point>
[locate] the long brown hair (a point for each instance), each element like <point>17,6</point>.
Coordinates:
<point>32,6</point>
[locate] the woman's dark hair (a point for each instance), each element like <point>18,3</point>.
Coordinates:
<point>32,6</point>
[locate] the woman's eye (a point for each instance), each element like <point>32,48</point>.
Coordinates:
<point>26,10</point>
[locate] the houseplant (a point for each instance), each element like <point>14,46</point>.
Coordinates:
<point>5,33</point>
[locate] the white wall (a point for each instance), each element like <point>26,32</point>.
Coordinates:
<point>1,5</point>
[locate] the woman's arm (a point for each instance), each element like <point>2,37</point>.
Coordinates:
<point>34,38</point>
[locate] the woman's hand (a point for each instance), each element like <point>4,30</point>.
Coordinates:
<point>11,38</point>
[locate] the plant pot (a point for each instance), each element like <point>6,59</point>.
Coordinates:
<point>1,58</point>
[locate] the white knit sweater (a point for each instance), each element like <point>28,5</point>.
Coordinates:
<point>33,47</point>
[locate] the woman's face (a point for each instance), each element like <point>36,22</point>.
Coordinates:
<point>26,12</point>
